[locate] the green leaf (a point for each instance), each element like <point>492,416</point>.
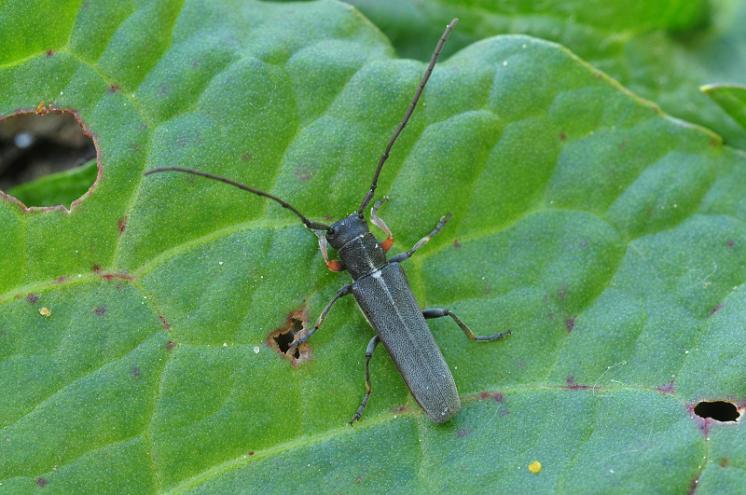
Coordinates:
<point>732,98</point>
<point>133,329</point>
<point>663,50</point>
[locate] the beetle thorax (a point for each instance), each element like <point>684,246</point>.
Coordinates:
<point>357,247</point>
<point>345,230</point>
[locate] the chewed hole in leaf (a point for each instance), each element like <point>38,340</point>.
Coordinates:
<point>285,339</point>
<point>280,339</point>
<point>47,158</point>
<point>717,410</point>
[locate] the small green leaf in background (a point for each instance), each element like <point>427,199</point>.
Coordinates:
<point>732,98</point>
<point>662,50</point>
<point>607,235</point>
<point>58,188</point>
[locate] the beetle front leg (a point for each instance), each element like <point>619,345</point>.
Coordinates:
<point>372,344</point>
<point>440,312</point>
<point>332,265</point>
<point>378,222</point>
<point>347,289</point>
<point>404,256</point>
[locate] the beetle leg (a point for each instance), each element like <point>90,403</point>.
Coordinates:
<point>404,256</point>
<point>347,289</point>
<point>332,265</point>
<point>368,389</point>
<point>440,312</point>
<point>378,222</point>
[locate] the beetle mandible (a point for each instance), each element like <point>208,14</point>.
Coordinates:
<point>381,288</point>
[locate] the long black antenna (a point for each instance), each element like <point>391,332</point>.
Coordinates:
<point>308,223</point>
<point>408,114</point>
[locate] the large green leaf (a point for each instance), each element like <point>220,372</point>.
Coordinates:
<point>133,329</point>
<point>663,50</point>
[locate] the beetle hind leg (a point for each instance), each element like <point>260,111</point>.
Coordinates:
<point>368,389</point>
<point>430,313</point>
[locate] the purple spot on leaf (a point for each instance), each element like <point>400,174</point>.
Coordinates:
<point>562,293</point>
<point>668,388</point>
<point>164,323</point>
<point>572,385</point>
<point>496,396</point>
<point>570,324</point>
<point>714,310</point>
<point>303,175</point>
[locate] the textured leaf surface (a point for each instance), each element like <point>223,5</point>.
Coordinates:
<point>663,50</point>
<point>732,98</point>
<point>608,236</point>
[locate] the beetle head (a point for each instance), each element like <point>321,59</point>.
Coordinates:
<point>345,230</point>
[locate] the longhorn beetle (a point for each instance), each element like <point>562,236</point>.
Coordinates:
<point>381,288</point>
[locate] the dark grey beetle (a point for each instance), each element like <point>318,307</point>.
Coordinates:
<point>381,288</point>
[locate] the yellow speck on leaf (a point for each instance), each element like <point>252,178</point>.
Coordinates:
<point>535,467</point>
<point>45,312</point>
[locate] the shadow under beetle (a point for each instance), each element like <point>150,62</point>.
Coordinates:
<point>381,288</point>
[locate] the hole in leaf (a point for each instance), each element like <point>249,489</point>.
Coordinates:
<point>46,159</point>
<point>285,339</point>
<point>717,410</point>
<point>281,338</point>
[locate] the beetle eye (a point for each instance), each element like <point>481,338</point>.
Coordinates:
<point>331,232</point>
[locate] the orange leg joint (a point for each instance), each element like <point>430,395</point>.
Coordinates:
<point>332,265</point>
<point>386,245</point>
